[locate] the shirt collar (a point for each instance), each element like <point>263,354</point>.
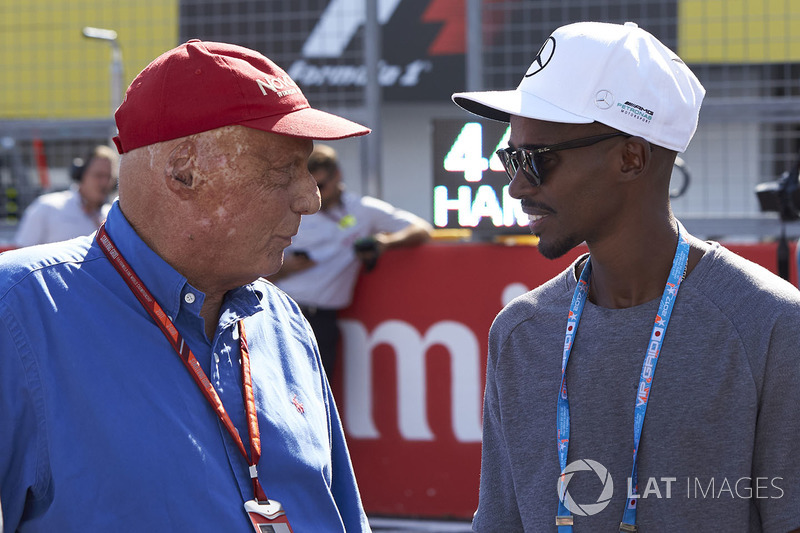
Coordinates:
<point>164,282</point>
<point>241,303</point>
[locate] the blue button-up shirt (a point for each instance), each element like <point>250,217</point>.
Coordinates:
<point>102,428</point>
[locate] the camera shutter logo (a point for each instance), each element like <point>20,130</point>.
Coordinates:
<point>585,509</point>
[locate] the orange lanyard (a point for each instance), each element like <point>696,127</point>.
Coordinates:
<point>190,361</point>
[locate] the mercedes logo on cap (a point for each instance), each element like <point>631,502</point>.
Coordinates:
<point>604,99</point>
<point>543,57</point>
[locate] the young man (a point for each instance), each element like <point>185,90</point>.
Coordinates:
<point>596,124</point>
<point>150,380</point>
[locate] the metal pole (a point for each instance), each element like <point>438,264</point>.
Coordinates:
<point>116,76</point>
<point>474,46</point>
<point>110,36</point>
<point>372,145</point>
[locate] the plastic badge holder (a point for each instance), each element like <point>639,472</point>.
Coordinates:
<point>268,517</point>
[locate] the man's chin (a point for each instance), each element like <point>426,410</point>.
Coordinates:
<point>554,250</point>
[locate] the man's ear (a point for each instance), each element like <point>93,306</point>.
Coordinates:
<point>636,155</point>
<point>180,166</point>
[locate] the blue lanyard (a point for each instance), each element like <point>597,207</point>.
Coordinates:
<point>676,275</point>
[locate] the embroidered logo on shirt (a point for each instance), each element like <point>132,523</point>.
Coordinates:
<point>298,405</point>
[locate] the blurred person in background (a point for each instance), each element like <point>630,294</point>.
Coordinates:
<point>322,265</point>
<point>150,378</point>
<point>58,216</point>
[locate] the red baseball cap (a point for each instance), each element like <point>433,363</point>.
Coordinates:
<point>201,86</point>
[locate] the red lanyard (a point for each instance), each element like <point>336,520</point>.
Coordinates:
<point>168,328</point>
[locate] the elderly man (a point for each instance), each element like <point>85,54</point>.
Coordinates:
<point>150,379</point>
<point>596,124</point>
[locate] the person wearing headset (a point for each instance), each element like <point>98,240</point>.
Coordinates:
<point>78,211</point>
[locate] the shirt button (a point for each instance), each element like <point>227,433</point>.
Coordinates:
<point>189,298</point>
<point>216,358</point>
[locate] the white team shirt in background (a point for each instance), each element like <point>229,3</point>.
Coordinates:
<point>328,238</point>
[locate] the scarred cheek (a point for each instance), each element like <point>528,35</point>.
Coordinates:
<point>219,162</point>
<point>224,217</point>
<point>218,168</point>
<point>153,152</point>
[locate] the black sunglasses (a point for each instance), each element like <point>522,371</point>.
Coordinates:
<point>514,158</point>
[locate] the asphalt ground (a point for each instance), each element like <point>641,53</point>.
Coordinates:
<point>404,525</point>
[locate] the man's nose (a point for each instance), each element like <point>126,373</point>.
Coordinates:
<point>307,201</point>
<point>521,186</point>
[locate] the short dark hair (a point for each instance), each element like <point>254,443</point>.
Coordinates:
<point>101,151</point>
<point>323,158</point>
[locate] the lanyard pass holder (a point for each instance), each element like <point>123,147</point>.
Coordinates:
<point>624,527</point>
<point>267,517</point>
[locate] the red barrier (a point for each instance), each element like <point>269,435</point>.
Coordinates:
<point>41,163</point>
<point>410,381</point>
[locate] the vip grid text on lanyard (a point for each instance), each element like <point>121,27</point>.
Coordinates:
<point>564,519</point>
<point>190,361</point>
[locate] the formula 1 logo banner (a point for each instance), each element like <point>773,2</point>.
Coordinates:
<point>423,49</point>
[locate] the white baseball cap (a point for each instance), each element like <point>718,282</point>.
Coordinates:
<point>616,74</point>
